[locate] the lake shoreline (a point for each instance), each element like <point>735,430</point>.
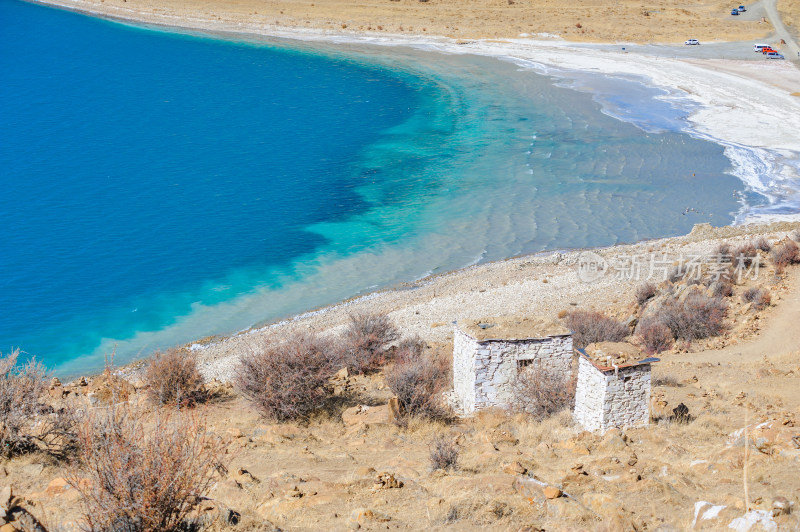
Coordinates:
<point>745,106</point>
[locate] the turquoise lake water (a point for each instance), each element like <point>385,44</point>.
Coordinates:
<point>160,187</point>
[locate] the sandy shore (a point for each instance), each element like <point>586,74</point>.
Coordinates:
<point>537,286</point>
<point>749,106</point>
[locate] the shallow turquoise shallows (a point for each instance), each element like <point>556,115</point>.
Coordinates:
<point>160,187</point>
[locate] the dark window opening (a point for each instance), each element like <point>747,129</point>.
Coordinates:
<point>522,364</point>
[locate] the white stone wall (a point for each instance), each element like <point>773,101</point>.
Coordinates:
<point>605,399</point>
<point>483,370</point>
<point>464,349</point>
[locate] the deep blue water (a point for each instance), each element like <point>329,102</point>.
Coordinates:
<point>159,187</point>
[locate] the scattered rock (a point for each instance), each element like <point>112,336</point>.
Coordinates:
<point>612,441</point>
<point>552,492</point>
<point>245,477</point>
<point>13,516</point>
<point>294,493</point>
<point>514,468</point>
<point>59,487</point>
<point>386,481</point>
<point>781,506</point>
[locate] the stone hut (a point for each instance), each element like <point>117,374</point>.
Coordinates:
<point>488,354</point>
<point>613,388</point>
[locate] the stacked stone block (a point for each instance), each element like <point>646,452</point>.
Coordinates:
<point>483,370</point>
<point>609,398</point>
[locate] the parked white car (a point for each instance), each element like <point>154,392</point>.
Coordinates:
<point>773,55</point>
<point>692,42</point>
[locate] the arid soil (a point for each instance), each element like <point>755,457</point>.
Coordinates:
<point>355,467</point>
<point>790,14</point>
<point>667,21</point>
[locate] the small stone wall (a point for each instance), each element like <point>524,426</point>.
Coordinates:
<point>605,399</point>
<point>484,369</point>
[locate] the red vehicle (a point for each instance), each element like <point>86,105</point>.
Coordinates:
<point>767,49</point>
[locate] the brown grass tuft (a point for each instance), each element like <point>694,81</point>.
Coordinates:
<point>444,453</point>
<point>173,378</point>
<point>285,380</point>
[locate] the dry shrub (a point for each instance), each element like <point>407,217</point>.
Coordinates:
<point>645,292</point>
<point>655,336</point>
<point>785,254</point>
<point>698,316</point>
<point>745,254</point>
<point>365,343</point>
<point>723,287</point>
<point>758,297</point>
<point>723,252</point>
<point>140,473</point>
<point>418,381</point>
<point>21,387</point>
<point>285,380</point>
<point>589,327</point>
<point>27,423</point>
<point>676,273</point>
<point>762,244</point>
<point>173,378</point>
<point>444,453</point>
<point>409,348</point>
<point>540,393</point>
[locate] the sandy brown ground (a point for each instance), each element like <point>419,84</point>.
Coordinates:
<point>665,21</point>
<point>641,479</point>
<point>790,14</point>
<point>322,475</point>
